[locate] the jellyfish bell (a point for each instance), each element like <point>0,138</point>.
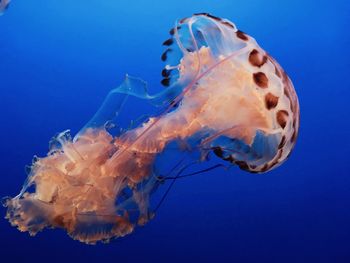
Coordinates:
<point>224,95</point>
<point>242,94</point>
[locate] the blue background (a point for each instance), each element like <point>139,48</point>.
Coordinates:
<point>58,60</point>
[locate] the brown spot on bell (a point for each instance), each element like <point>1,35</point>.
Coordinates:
<point>281,117</point>
<point>218,152</point>
<point>165,82</point>
<point>165,54</point>
<point>260,79</point>
<point>168,42</point>
<point>294,136</point>
<point>242,165</point>
<point>165,73</point>
<point>282,143</point>
<point>214,17</point>
<point>241,35</point>
<point>172,31</point>
<point>227,24</point>
<point>256,58</point>
<point>271,101</point>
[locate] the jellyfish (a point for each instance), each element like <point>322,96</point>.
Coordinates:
<point>224,97</point>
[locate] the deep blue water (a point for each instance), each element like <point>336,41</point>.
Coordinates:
<point>58,60</point>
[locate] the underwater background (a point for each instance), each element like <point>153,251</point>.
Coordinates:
<point>58,61</point>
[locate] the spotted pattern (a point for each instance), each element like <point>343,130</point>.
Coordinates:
<point>268,79</point>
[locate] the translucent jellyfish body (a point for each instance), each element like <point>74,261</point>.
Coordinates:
<point>225,95</point>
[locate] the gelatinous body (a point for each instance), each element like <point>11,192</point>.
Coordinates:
<point>225,95</point>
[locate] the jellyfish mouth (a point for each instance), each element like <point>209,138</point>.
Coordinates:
<point>79,187</point>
